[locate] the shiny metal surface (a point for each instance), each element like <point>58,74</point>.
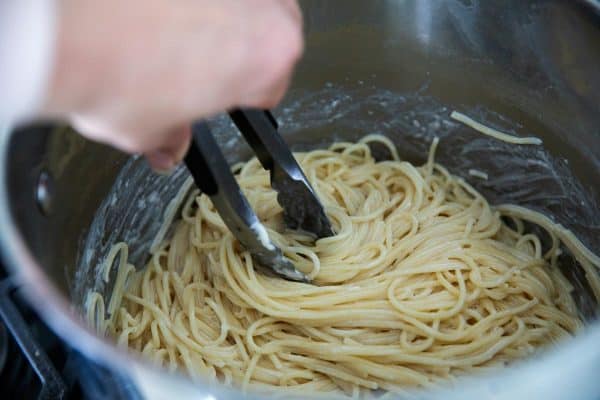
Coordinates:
<point>301,207</point>
<point>44,192</point>
<point>392,67</point>
<point>212,174</point>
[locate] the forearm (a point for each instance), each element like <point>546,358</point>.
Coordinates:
<point>27,38</point>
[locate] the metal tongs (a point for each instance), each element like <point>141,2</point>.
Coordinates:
<point>212,174</point>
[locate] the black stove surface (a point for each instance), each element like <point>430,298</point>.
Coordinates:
<point>36,364</point>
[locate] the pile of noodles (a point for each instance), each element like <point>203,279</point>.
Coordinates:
<point>423,281</point>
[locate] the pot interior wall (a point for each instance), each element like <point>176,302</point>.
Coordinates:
<point>526,175</point>
<point>391,67</point>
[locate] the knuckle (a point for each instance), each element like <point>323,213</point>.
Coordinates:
<point>286,48</point>
<point>280,48</point>
<point>269,56</point>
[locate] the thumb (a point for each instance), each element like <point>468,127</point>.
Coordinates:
<point>174,148</point>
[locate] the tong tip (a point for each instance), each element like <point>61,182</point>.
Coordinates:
<point>302,209</point>
<point>281,266</point>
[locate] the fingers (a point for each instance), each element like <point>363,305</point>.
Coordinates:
<point>269,97</point>
<point>163,150</point>
<point>178,64</point>
<point>294,9</point>
<point>172,152</point>
<point>274,54</point>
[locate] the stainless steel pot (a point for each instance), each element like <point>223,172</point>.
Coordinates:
<point>391,67</point>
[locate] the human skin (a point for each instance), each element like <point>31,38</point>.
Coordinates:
<point>135,73</point>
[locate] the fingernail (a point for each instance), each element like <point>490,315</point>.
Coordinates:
<point>161,161</point>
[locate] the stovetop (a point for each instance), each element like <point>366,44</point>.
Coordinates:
<point>36,364</point>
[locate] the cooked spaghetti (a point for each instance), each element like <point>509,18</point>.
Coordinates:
<point>491,132</point>
<point>424,281</point>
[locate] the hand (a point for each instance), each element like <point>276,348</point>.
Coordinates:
<point>135,73</point>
